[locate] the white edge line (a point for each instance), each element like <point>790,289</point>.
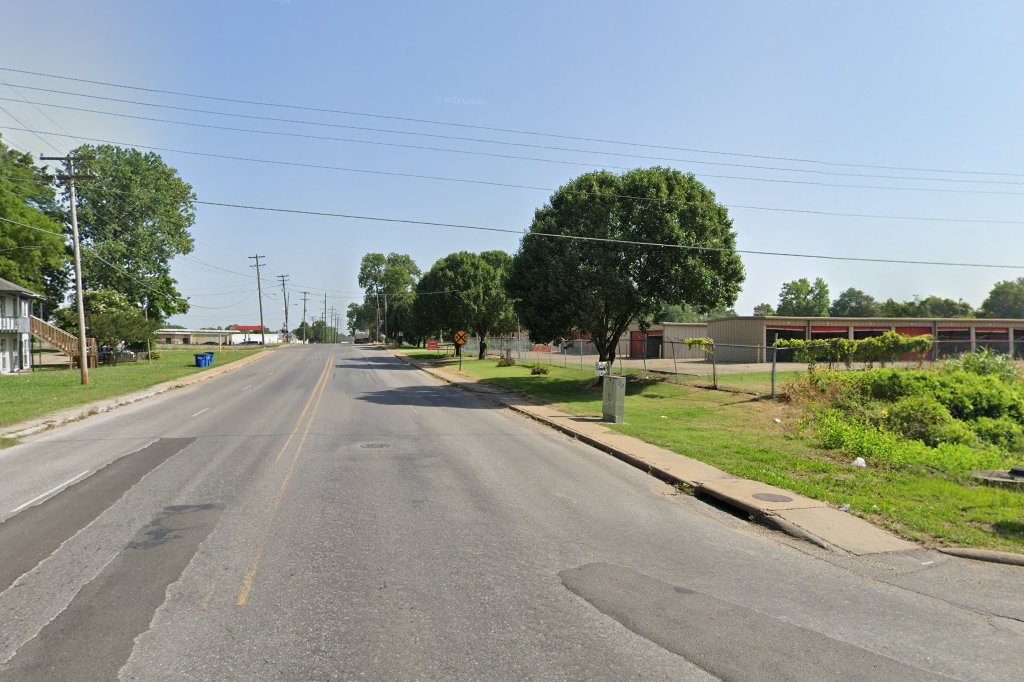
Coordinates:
<point>246,386</point>
<point>200,411</point>
<point>49,492</point>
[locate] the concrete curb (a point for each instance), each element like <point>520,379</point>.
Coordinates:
<point>989,555</point>
<point>803,518</point>
<point>31,428</point>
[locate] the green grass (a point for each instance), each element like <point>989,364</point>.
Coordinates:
<point>759,383</point>
<point>737,433</point>
<point>34,395</point>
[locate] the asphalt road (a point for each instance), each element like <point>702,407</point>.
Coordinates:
<point>331,513</point>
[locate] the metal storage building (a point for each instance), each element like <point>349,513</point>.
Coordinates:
<point>747,339</point>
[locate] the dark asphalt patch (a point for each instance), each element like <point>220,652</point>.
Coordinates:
<point>35,533</point>
<point>93,637</point>
<point>731,642</point>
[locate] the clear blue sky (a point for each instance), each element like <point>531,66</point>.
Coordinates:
<point>921,84</point>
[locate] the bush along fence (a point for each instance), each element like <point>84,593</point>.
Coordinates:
<point>706,363</point>
<point>889,347</point>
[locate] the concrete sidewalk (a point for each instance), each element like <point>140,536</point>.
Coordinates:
<point>801,517</point>
<point>55,419</point>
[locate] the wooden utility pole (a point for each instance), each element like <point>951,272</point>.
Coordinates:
<point>259,294</point>
<point>69,177</point>
<point>284,295</point>
<point>305,294</point>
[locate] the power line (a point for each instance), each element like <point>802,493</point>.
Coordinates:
<point>11,141</point>
<point>31,227</point>
<point>423,147</point>
<point>439,136</point>
<point>418,176</point>
<point>19,122</point>
<point>513,131</point>
<point>579,237</point>
<point>429,223</point>
<point>43,113</point>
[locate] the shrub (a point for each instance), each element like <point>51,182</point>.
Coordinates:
<point>506,361</point>
<point>537,368</point>
<point>923,418</point>
<point>970,396</point>
<point>986,363</point>
<point>883,449</point>
<point>1003,432</point>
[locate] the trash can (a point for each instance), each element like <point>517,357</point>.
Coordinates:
<point>209,359</point>
<point>200,359</point>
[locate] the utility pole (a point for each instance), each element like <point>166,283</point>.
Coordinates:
<point>386,337</point>
<point>333,336</point>
<point>325,318</point>
<point>376,331</point>
<point>303,325</point>
<point>69,164</point>
<point>284,295</point>
<point>259,294</point>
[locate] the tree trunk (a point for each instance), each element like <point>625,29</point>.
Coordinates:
<point>483,344</point>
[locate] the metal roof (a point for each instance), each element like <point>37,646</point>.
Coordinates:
<point>968,320</point>
<point>7,287</point>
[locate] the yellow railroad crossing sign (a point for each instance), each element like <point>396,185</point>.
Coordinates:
<point>461,338</point>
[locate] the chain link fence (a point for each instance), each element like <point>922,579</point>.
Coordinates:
<point>754,369</point>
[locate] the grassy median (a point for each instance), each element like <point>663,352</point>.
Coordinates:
<point>738,434</point>
<point>36,394</point>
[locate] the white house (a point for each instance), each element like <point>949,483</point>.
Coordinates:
<point>15,327</point>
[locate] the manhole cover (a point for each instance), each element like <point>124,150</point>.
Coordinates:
<point>772,497</point>
<point>375,446</point>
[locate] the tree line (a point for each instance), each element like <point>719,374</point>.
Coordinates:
<point>605,250</point>
<point>134,217</point>
<point>804,298</point>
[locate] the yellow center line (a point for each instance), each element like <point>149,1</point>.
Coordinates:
<point>254,565</point>
<point>298,422</point>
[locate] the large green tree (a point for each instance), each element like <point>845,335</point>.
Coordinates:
<point>931,306</point>
<point>33,250</point>
<point>389,283</point>
<point>854,303</point>
<point>1005,300</point>
<point>134,217</point>
<point>623,246</point>
<point>466,290</point>
<point>360,316</point>
<point>110,318</point>
<point>688,313</point>
<point>804,298</point>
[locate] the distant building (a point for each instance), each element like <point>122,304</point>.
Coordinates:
<point>748,339</point>
<point>15,327</point>
<point>193,337</point>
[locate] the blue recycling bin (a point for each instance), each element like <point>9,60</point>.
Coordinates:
<point>209,359</point>
<point>200,359</point>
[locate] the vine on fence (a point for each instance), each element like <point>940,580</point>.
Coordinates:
<point>708,345</point>
<point>887,347</point>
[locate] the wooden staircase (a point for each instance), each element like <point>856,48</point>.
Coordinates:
<point>64,342</point>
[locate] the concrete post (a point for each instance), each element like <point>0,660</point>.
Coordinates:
<point>613,403</point>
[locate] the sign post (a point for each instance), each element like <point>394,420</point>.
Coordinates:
<point>460,340</point>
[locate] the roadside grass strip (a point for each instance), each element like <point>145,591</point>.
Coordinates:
<point>738,433</point>
<point>36,394</point>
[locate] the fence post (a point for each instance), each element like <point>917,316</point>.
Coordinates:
<point>675,367</point>
<point>714,366</point>
<point>774,353</point>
